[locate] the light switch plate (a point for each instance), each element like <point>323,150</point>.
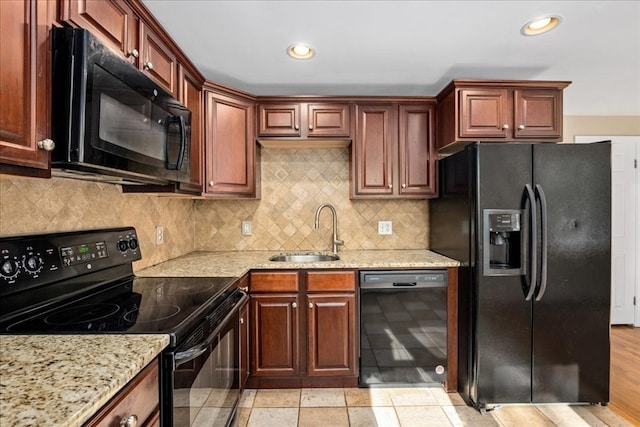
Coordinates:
<point>246,228</point>
<point>385,227</point>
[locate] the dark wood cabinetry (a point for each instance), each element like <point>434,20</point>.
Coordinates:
<point>157,59</point>
<point>139,398</point>
<point>304,120</point>
<point>230,148</point>
<point>470,110</point>
<point>24,87</point>
<point>303,329</point>
<point>394,151</point>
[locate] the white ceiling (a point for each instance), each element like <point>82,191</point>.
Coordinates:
<point>412,47</point>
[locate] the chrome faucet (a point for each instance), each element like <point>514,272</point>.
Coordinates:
<point>334,241</point>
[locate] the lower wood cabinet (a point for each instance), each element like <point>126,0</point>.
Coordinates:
<point>303,329</point>
<point>140,399</point>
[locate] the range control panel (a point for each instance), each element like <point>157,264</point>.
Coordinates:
<point>34,260</point>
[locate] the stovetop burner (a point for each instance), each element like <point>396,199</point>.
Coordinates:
<point>152,314</point>
<point>81,314</point>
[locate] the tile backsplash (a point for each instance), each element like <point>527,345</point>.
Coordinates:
<point>295,182</point>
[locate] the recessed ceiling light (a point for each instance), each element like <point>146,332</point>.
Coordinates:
<point>540,25</point>
<point>300,51</point>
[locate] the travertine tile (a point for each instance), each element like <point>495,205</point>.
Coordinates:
<point>515,416</point>
<point>466,416</point>
<point>242,417</point>
<point>422,416</point>
<point>317,397</point>
<point>381,416</point>
<point>247,399</point>
<point>367,397</point>
<point>412,397</point>
<point>323,417</point>
<point>277,398</point>
<point>582,415</point>
<point>273,417</point>
<point>447,399</point>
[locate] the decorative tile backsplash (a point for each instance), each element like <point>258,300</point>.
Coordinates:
<point>295,182</point>
<point>31,205</point>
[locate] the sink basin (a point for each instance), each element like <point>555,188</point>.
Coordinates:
<point>304,257</point>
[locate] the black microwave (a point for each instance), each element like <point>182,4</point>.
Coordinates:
<point>111,122</point>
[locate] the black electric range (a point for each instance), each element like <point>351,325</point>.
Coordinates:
<point>82,282</point>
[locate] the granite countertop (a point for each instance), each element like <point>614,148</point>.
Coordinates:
<point>237,263</point>
<point>62,380</point>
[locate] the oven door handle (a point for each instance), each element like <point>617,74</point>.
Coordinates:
<point>198,350</point>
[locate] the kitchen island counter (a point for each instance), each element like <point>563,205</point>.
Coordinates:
<point>62,380</point>
<point>237,263</point>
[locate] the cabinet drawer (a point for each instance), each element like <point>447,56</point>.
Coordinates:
<point>140,397</point>
<point>274,282</point>
<point>329,281</point>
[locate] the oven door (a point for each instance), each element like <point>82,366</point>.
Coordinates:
<point>202,384</point>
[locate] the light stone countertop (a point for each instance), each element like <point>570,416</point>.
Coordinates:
<point>237,263</point>
<point>62,380</point>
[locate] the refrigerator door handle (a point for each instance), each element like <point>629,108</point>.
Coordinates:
<point>543,243</point>
<point>533,221</point>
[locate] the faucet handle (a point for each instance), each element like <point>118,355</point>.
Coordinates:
<point>338,242</point>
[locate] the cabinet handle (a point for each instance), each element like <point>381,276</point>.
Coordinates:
<point>134,53</point>
<point>46,144</point>
<point>148,65</point>
<point>130,421</point>
<point>310,305</point>
<point>294,304</point>
<point>521,127</point>
<point>505,126</point>
<point>244,288</point>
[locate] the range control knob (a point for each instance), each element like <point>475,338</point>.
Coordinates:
<point>123,245</point>
<point>33,263</point>
<point>133,243</point>
<point>9,268</point>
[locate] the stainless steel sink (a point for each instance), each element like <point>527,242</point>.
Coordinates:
<point>304,257</point>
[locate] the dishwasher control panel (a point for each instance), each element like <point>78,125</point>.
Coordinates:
<point>403,278</point>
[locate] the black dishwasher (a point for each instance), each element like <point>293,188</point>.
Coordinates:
<point>403,328</point>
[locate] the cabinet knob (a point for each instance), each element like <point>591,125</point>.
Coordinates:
<point>505,126</point>
<point>296,127</point>
<point>521,127</point>
<point>244,288</point>
<point>310,305</point>
<point>294,304</point>
<point>130,421</point>
<point>134,53</point>
<point>148,65</point>
<point>390,185</point>
<point>310,127</point>
<point>404,185</point>
<point>242,320</point>
<point>211,183</point>
<point>46,144</point>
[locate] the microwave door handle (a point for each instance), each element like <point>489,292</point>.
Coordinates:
<point>167,123</point>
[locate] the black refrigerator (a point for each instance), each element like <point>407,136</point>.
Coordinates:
<point>531,226</point>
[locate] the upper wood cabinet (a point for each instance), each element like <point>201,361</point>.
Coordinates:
<point>230,148</point>
<point>120,26</point>
<point>24,87</point>
<point>393,152</point>
<point>470,110</point>
<point>304,120</point>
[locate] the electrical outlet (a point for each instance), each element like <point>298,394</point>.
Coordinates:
<point>246,228</point>
<point>385,227</point>
<point>159,235</point>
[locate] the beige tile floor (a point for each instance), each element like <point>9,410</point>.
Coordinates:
<point>402,407</point>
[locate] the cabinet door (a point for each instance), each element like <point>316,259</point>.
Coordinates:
<point>190,95</point>
<point>417,157</point>
<point>279,120</point>
<point>373,150</point>
<point>331,334</point>
<point>157,60</point>
<point>484,113</point>
<point>230,147</point>
<point>538,113</point>
<point>24,83</point>
<point>274,334</point>
<point>329,120</point>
